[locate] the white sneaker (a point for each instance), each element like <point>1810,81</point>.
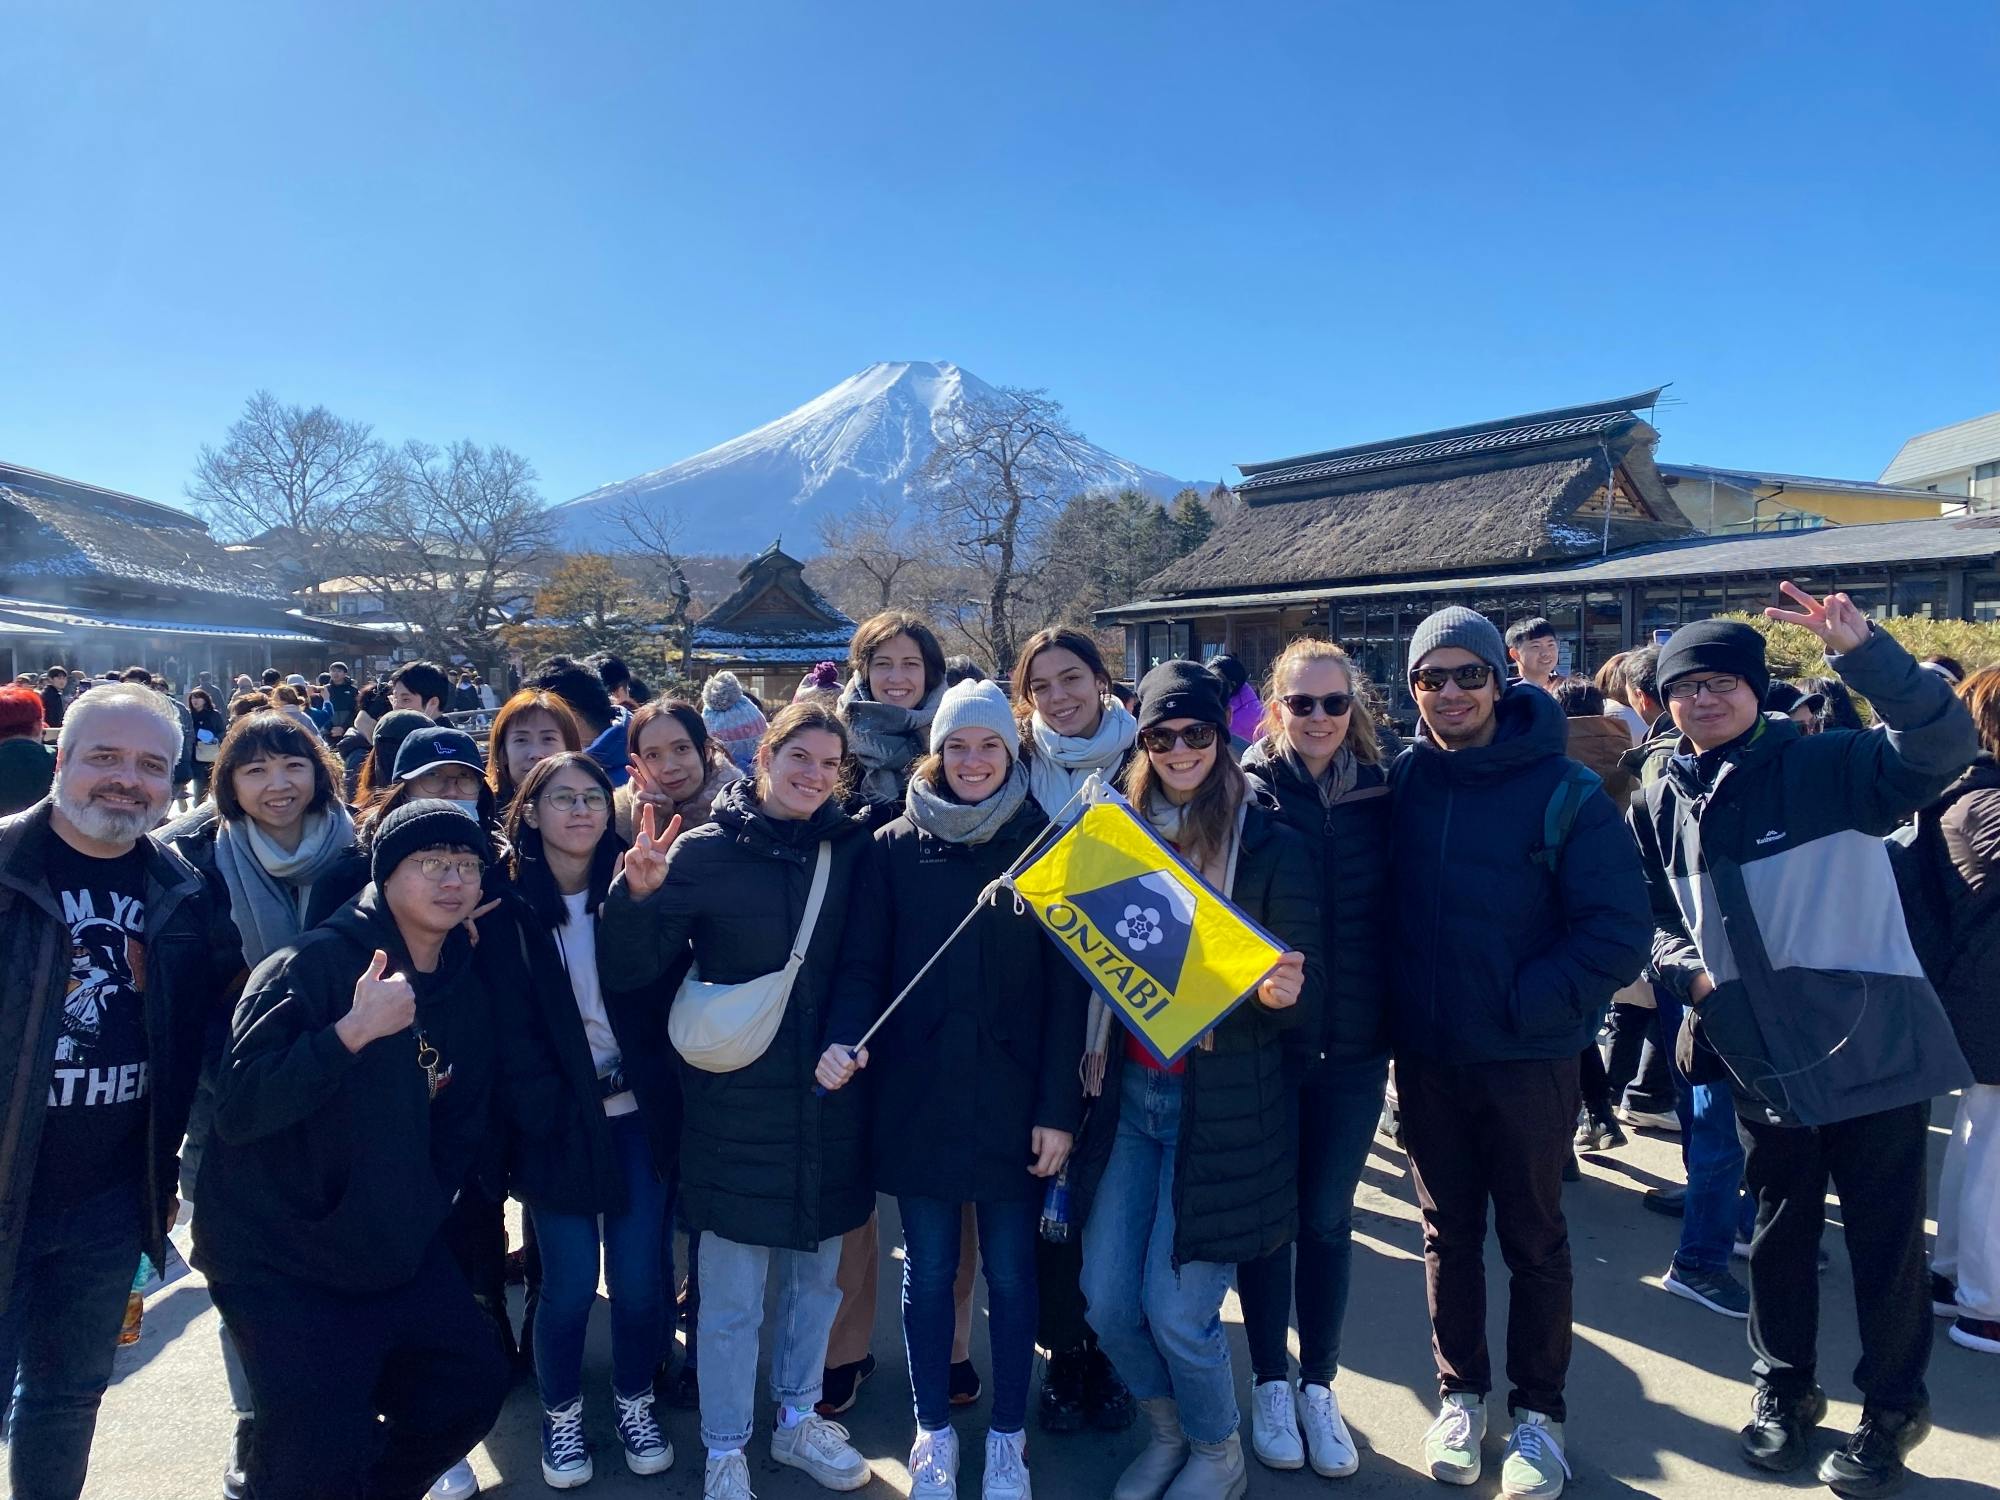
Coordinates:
<point>1329,1445</point>
<point>934,1465</point>
<point>1649,1119</point>
<point>1006,1467</point>
<point>821,1449</point>
<point>455,1483</point>
<point>1274,1428</point>
<point>727,1477</point>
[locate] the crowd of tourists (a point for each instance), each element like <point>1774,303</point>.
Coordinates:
<point>625,965</point>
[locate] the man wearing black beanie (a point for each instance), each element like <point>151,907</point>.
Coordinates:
<point>1779,925</point>
<point>353,1100</point>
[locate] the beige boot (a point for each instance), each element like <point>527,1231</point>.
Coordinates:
<point>1214,1471</point>
<point>1166,1450</point>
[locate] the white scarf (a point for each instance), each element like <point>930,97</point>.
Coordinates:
<point>1061,763</point>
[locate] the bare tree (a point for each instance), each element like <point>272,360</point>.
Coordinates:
<point>1000,472</point>
<point>879,541</point>
<point>455,546</point>
<point>653,540</point>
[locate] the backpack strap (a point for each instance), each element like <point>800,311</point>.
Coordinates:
<point>1559,817</point>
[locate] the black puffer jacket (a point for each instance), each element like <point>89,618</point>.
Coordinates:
<point>763,1160</point>
<point>986,1048</point>
<point>1496,957</point>
<point>1969,818</point>
<point>1236,1170</point>
<point>337,1168</point>
<point>1350,840</point>
<point>559,1148</point>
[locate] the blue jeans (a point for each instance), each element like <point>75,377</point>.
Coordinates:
<point>1338,1106</point>
<point>1711,1216</point>
<point>632,1266</point>
<point>1160,1326</point>
<point>59,1333</point>
<point>1007,1234</point>
<point>732,1313</point>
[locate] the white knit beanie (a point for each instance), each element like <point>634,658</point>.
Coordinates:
<point>979,705</point>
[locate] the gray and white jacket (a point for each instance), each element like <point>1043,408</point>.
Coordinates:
<point>1766,869</point>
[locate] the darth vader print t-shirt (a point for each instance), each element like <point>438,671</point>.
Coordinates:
<point>94,1134</point>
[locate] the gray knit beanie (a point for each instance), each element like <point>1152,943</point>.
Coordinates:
<point>980,705</point>
<point>1465,628</point>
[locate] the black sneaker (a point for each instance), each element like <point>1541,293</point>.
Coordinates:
<point>1598,1133</point>
<point>1982,1334</point>
<point>680,1389</point>
<point>965,1386</point>
<point>1871,1462</point>
<point>1672,1202</point>
<point>1105,1399</point>
<point>1717,1291</point>
<point>1571,1171</point>
<point>840,1385</point>
<point>1781,1427</point>
<point>1061,1405</point>
<point>236,1477</point>
<point>1944,1296</point>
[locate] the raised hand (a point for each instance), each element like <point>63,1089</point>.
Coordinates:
<point>646,791</point>
<point>384,1004</point>
<point>838,1064</point>
<point>646,861</point>
<point>1836,619</point>
<point>471,923</point>
<point>1282,986</point>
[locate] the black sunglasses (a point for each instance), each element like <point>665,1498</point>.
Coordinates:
<point>1472,676</point>
<point>1300,705</point>
<point>1194,736</point>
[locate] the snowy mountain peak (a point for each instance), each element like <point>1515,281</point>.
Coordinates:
<point>866,436</point>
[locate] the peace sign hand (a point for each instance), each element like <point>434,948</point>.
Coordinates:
<point>645,864</point>
<point>1836,620</point>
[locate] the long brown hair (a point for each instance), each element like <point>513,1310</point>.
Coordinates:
<point>527,701</point>
<point>1209,817</point>
<point>1056,638</point>
<point>1981,694</point>
<point>786,725</point>
<point>1362,738</point>
<point>688,717</point>
<point>877,631</point>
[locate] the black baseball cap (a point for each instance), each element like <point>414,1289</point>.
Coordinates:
<point>427,749</point>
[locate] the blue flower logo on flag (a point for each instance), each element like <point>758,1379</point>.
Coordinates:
<point>1150,916</point>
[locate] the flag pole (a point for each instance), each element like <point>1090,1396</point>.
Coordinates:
<point>1092,790</point>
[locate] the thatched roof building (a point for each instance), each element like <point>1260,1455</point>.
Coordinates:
<point>772,628</point>
<point>1562,514</point>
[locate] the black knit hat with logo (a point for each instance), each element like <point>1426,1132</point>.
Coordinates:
<point>1181,690</point>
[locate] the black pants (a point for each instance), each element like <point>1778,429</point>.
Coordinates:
<point>324,1365</point>
<point>475,1231</point>
<point>1639,1071</point>
<point>1498,1131</point>
<point>1060,1326</point>
<point>1877,1165</point>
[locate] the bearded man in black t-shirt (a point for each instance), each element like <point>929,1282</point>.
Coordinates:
<point>105,984</point>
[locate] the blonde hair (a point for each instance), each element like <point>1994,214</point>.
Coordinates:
<point>1361,736</point>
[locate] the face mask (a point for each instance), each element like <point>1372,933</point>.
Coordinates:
<point>470,809</point>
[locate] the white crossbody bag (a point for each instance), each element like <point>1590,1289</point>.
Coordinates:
<point>719,1028</point>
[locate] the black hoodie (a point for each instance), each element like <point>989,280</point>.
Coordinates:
<point>1495,957</point>
<point>336,1168</point>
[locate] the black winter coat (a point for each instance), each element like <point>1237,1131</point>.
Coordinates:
<point>180,986</point>
<point>987,1047</point>
<point>559,1148</point>
<point>1969,818</point>
<point>336,1168</point>
<point>763,1160</point>
<point>1236,1168</point>
<point>1350,844</point>
<point>1494,958</point>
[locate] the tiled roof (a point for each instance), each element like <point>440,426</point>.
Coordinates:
<point>1945,450</point>
<point>1760,478</point>
<point>1528,431</point>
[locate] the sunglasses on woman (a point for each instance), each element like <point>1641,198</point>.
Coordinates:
<point>1471,677</point>
<point>1300,705</point>
<point>1161,741</point>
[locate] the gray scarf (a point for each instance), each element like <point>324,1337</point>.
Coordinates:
<point>965,822</point>
<point>1335,782</point>
<point>885,739</point>
<point>268,887</point>
<point>1061,763</point>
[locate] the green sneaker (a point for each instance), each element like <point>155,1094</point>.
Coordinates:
<point>1451,1447</point>
<point>1535,1465</point>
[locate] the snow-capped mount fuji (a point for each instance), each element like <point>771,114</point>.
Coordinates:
<point>867,436</point>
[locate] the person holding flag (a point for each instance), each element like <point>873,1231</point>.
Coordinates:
<point>1185,1169</point>
<point>974,1090</point>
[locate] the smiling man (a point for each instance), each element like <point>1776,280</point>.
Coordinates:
<point>1506,951</point>
<point>106,988</point>
<point>1780,927</point>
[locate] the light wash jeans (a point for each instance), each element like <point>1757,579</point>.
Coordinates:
<point>1161,1327</point>
<point>732,1313</point>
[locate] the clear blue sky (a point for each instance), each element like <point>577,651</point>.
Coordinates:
<point>611,235</point>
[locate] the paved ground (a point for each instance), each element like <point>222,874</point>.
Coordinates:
<point>1658,1388</point>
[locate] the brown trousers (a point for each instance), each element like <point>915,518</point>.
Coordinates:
<point>860,1281</point>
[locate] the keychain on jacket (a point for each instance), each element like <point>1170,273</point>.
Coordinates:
<point>427,1059</point>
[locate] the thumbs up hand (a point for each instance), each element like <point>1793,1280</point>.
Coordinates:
<point>384,1004</point>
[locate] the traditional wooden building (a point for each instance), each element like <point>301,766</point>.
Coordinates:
<point>95,579</point>
<point>1562,514</point>
<point>772,628</point>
